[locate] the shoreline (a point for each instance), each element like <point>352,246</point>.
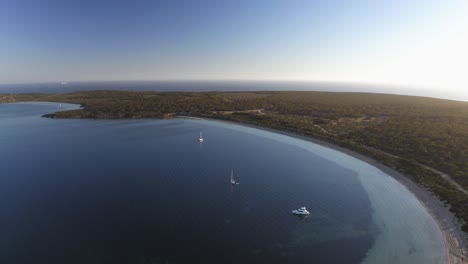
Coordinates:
<point>454,238</point>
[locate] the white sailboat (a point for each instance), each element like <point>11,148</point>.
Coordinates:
<point>233,182</point>
<point>201,138</point>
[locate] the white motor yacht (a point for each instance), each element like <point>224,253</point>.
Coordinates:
<point>301,211</point>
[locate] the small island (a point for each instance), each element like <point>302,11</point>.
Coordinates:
<point>423,141</point>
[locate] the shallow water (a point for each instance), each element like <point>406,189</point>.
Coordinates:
<point>145,191</point>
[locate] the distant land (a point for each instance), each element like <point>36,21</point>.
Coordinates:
<point>425,139</point>
<point>225,86</point>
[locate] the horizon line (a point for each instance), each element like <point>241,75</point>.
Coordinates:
<point>225,80</point>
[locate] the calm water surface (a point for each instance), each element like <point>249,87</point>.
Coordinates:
<point>145,191</point>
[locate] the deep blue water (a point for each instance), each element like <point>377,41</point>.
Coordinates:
<point>145,191</point>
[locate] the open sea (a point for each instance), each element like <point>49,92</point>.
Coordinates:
<point>145,191</point>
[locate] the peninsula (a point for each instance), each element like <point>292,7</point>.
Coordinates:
<point>423,141</point>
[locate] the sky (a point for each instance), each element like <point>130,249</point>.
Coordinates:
<point>419,43</point>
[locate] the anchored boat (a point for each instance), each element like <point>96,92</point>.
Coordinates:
<point>201,138</point>
<point>233,182</point>
<point>301,211</point>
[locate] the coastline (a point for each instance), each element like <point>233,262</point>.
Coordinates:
<point>454,238</point>
<point>456,246</point>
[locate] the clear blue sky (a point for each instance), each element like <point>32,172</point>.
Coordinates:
<point>411,42</point>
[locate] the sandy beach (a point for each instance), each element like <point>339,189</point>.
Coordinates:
<point>454,238</point>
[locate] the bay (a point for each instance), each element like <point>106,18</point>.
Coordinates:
<point>145,191</point>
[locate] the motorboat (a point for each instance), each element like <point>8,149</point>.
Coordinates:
<point>301,211</point>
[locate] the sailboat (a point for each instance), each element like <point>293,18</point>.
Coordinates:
<point>233,182</point>
<point>201,138</point>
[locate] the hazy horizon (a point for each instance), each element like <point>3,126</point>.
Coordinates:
<point>418,44</point>
<point>224,85</point>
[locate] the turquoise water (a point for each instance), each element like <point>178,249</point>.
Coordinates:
<point>145,191</point>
